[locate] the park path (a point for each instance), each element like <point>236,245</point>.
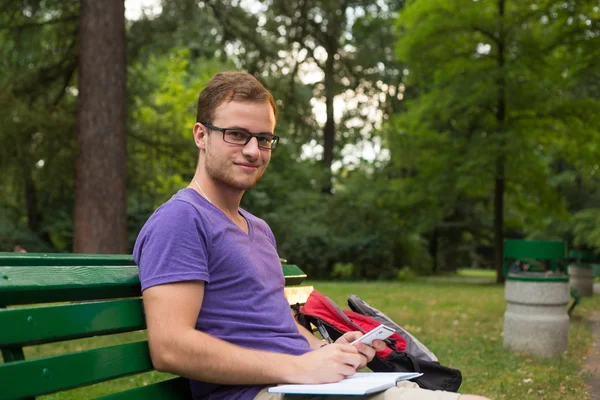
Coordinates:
<point>591,368</point>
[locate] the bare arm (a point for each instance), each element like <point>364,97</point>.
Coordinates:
<point>313,341</point>
<point>177,347</point>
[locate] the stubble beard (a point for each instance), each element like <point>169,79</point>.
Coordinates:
<point>223,173</point>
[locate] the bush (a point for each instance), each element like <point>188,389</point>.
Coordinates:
<point>342,270</point>
<point>406,274</point>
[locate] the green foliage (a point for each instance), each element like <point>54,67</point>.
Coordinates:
<point>162,156</point>
<point>405,274</point>
<point>586,228</point>
<point>37,108</point>
<point>352,227</point>
<point>342,270</point>
<point>465,60</point>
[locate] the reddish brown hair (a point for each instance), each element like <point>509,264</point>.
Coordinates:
<point>231,86</point>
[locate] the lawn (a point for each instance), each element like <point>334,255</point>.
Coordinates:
<point>461,322</point>
<point>477,273</point>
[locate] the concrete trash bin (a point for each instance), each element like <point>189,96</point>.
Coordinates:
<point>581,272</point>
<point>536,319</point>
<point>581,278</point>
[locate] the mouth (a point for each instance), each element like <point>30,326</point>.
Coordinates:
<point>247,167</point>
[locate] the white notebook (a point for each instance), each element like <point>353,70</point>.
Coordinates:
<point>360,383</point>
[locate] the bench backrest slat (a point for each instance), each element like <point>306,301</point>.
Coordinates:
<point>29,285</point>
<point>52,374</point>
<point>293,274</point>
<point>35,325</point>
<point>176,388</point>
<point>63,259</point>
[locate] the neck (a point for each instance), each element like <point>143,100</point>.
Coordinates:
<point>221,197</point>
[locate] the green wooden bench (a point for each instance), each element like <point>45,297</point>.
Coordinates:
<point>48,298</point>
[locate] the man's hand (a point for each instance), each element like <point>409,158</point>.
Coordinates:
<point>328,364</point>
<point>367,352</point>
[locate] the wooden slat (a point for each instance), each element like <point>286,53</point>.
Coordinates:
<point>27,285</point>
<point>177,388</point>
<point>36,325</point>
<point>297,294</point>
<point>47,375</point>
<point>63,259</point>
<point>293,274</point>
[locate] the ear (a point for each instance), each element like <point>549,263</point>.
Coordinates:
<point>200,136</point>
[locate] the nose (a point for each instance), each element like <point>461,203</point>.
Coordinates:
<point>251,148</point>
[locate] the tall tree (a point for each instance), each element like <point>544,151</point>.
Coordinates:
<point>37,66</point>
<point>100,219</point>
<point>495,78</point>
<point>333,36</point>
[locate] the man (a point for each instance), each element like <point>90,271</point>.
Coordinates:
<point>211,276</point>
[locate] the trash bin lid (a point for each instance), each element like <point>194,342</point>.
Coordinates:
<point>538,277</point>
<point>581,255</point>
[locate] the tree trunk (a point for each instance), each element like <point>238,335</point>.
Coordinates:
<point>31,203</point>
<point>499,222</point>
<point>449,259</point>
<point>100,219</point>
<point>500,160</point>
<point>433,250</point>
<point>329,130</point>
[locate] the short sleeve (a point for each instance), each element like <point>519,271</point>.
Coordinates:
<point>172,246</point>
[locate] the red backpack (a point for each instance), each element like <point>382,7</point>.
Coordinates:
<point>404,353</point>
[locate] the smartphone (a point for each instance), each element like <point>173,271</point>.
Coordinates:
<point>381,332</point>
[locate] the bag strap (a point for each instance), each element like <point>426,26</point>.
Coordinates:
<point>301,318</point>
<point>414,362</point>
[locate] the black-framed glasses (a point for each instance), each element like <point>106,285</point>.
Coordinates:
<point>241,137</point>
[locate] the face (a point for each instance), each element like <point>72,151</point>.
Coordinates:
<point>237,167</point>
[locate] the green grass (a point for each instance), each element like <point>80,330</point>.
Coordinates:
<point>477,273</point>
<point>460,322</point>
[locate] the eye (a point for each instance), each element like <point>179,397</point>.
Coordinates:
<point>239,135</point>
<point>264,139</point>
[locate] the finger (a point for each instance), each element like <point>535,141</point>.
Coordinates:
<point>354,360</point>
<point>363,361</point>
<point>332,377</point>
<point>347,348</point>
<point>365,350</point>
<point>350,337</point>
<point>379,344</point>
<point>362,364</point>
<point>349,370</point>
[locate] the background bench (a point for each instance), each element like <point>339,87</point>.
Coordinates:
<point>36,291</point>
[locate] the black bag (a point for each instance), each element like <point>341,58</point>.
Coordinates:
<point>405,352</point>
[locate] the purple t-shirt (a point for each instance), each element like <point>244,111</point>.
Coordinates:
<point>187,238</point>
